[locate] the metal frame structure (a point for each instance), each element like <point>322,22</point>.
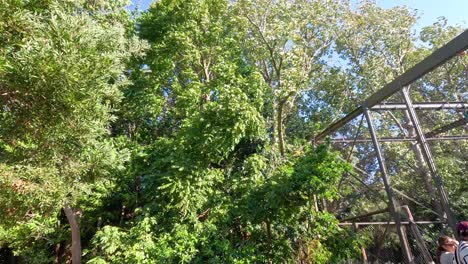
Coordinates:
<point>389,223</point>
<point>398,139</point>
<point>422,106</point>
<point>411,224</point>
<point>393,205</point>
<point>438,57</point>
<point>376,103</point>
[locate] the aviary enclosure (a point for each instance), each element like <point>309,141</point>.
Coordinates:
<point>363,126</point>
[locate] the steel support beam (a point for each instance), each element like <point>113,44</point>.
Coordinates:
<point>417,235</point>
<point>348,219</point>
<point>394,208</point>
<point>338,124</point>
<point>398,139</point>
<point>422,106</point>
<point>389,223</point>
<point>430,161</point>
<point>443,129</point>
<point>438,57</point>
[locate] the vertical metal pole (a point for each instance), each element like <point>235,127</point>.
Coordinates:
<point>430,161</point>
<point>394,209</point>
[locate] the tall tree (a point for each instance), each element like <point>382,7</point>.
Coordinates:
<point>61,69</point>
<point>213,188</point>
<point>287,42</point>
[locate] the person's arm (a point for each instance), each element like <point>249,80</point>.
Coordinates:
<point>446,258</point>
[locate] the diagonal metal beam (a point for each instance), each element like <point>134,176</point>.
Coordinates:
<point>392,203</point>
<point>338,124</point>
<point>443,129</point>
<point>426,151</point>
<point>438,57</point>
<point>368,214</point>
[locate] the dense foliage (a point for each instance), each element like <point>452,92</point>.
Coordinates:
<point>181,134</point>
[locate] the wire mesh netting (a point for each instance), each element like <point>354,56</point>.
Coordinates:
<point>383,245</point>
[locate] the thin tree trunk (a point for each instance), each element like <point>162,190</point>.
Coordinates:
<point>427,180</point>
<point>273,126</point>
<point>423,169</point>
<point>279,128</point>
<point>268,226</point>
<point>58,253</point>
<point>269,237</point>
<point>75,230</point>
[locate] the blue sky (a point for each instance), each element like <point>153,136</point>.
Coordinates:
<point>456,11</point>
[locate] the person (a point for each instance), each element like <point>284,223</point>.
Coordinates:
<point>461,252</point>
<point>445,250</point>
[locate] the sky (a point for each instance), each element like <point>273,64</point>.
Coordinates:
<point>456,11</point>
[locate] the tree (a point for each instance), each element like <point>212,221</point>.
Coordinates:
<point>61,69</point>
<point>181,134</point>
<point>213,188</point>
<point>287,41</point>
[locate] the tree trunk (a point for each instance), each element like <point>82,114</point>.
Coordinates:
<point>269,238</point>
<point>59,248</point>
<point>75,230</point>
<point>427,180</point>
<point>268,227</point>
<point>279,127</point>
<point>423,171</point>
<point>274,139</point>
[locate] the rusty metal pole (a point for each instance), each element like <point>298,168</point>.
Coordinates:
<point>394,209</point>
<point>421,138</point>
